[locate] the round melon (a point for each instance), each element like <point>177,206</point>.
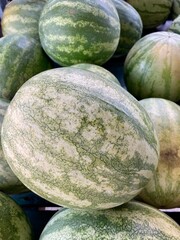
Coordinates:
<point>21,57</point>
<point>151,68</point>
<point>103,72</point>
<point>131,27</point>
<point>79,140</point>
<point>153,13</point>
<point>163,190</point>
<point>14,224</point>
<point>175,11</point>
<point>175,25</point>
<point>9,183</point>
<point>74,32</point>
<point>131,221</point>
<point>22,16</point>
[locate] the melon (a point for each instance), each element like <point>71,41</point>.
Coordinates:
<point>151,68</point>
<point>21,57</point>
<point>79,140</point>
<point>175,25</point>
<point>22,16</point>
<point>14,224</point>
<point>163,190</point>
<point>79,31</point>
<point>9,183</point>
<point>131,221</point>
<point>175,11</point>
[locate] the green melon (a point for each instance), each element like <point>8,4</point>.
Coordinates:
<point>163,190</point>
<point>21,57</point>
<point>131,221</point>
<point>79,140</point>
<point>175,25</point>
<point>153,13</point>
<point>103,72</point>
<point>14,224</point>
<point>151,68</point>
<point>79,31</point>
<point>175,11</point>
<point>9,183</point>
<point>22,16</point>
<point>131,26</point>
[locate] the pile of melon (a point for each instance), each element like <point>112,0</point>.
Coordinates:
<point>103,147</point>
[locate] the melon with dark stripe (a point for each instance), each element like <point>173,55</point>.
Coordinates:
<point>163,190</point>
<point>131,26</point>
<point>175,11</point>
<point>151,68</point>
<point>22,16</point>
<point>14,224</point>
<point>9,183</point>
<point>153,13</point>
<point>131,221</point>
<point>79,31</point>
<point>21,57</point>
<point>79,140</point>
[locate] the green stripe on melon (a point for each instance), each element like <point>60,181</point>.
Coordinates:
<point>153,13</point>
<point>9,183</point>
<point>151,68</point>
<point>79,140</point>
<point>14,224</point>
<point>22,16</point>
<point>74,32</point>
<point>163,190</point>
<point>132,221</point>
<point>21,57</point>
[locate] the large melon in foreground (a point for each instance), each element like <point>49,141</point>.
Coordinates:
<point>151,68</point>
<point>9,183</point>
<point>131,221</point>
<point>79,140</point>
<point>14,224</point>
<point>163,190</point>
<point>79,31</point>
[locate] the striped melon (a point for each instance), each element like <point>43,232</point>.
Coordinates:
<point>79,140</point>
<point>153,13</point>
<point>103,72</point>
<point>175,11</point>
<point>21,57</point>
<point>175,25</point>
<point>151,68</point>
<point>22,16</point>
<point>131,26</point>
<point>14,224</point>
<point>79,31</point>
<point>9,183</point>
<point>163,190</point>
<point>131,221</point>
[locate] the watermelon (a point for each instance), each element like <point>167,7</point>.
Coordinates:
<point>79,31</point>
<point>153,13</point>
<point>103,72</point>
<point>131,221</point>
<point>22,16</point>
<point>151,68</point>
<point>79,140</point>
<point>131,26</point>
<point>163,190</point>
<point>175,25</point>
<point>175,11</point>
<point>14,224</point>
<point>9,183</point>
<point>21,57</point>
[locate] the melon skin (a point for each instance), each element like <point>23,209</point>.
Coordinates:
<point>22,17</point>
<point>153,13</point>
<point>9,183</point>
<point>163,190</point>
<point>79,140</point>
<point>74,32</point>
<point>133,220</point>
<point>175,11</point>
<point>21,57</point>
<point>14,223</point>
<point>151,68</point>
<point>175,25</point>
